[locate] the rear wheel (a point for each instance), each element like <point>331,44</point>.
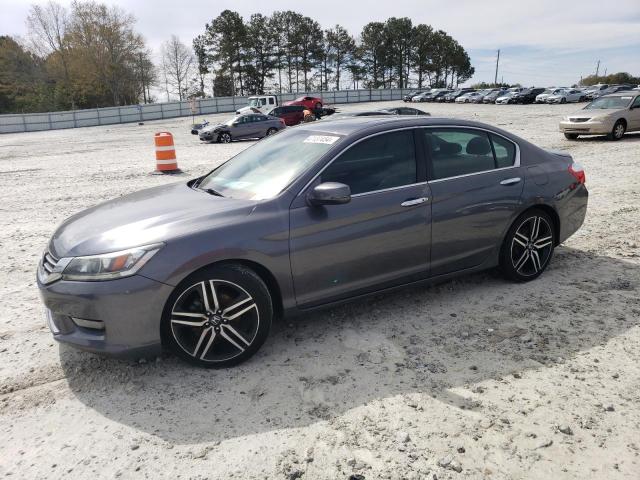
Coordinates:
<point>618,131</point>
<point>224,137</point>
<point>571,136</point>
<point>528,247</point>
<point>271,131</point>
<point>218,317</point>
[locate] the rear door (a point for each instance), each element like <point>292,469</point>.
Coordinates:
<point>476,184</point>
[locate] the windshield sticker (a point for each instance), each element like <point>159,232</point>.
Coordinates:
<point>326,139</point>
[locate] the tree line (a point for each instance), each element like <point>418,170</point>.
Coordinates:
<point>86,56</point>
<point>90,55</point>
<point>290,52</point>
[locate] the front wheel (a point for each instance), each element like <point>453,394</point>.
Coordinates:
<point>563,100</point>
<point>528,246</point>
<point>618,131</point>
<point>218,317</point>
<point>224,137</point>
<point>571,136</point>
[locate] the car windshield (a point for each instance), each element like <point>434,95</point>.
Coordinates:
<point>609,102</point>
<point>254,102</point>
<point>265,169</point>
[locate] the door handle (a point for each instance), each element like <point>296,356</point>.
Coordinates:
<point>413,201</point>
<point>511,181</point>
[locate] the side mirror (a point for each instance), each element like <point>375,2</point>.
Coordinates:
<point>329,193</point>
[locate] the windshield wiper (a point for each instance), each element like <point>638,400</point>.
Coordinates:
<point>211,191</point>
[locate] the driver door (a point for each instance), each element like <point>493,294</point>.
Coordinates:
<point>380,238</point>
<point>634,115</point>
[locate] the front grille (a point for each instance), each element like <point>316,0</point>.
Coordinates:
<point>49,262</point>
<point>579,120</point>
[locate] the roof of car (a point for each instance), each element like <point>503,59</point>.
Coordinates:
<point>348,125</point>
<point>622,93</point>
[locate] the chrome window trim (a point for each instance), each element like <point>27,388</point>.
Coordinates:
<point>516,163</point>
<point>302,190</point>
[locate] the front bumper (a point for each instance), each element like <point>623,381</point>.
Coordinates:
<point>127,312</point>
<point>585,128</point>
<point>207,136</point>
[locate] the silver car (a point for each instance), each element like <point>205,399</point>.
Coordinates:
<point>252,125</point>
<point>612,115</point>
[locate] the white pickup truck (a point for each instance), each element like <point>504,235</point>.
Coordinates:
<point>263,103</point>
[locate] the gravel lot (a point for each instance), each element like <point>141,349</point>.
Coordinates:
<point>497,380</point>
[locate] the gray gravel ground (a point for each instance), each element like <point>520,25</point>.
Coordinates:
<point>473,378</point>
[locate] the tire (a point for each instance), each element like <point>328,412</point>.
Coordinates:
<point>318,106</point>
<point>563,100</point>
<point>224,137</point>
<point>525,254</point>
<point>271,131</point>
<point>571,136</point>
<point>618,131</point>
<point>582,99</point>
<point>218,337</point>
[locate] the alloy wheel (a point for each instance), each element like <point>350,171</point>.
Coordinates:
<point>618,130</point>
<point>225,138</point>
<point>214,320</point>
<point>531,246</point>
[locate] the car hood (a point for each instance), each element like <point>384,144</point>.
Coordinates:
<point>596,112</point>
<point>149,216</point>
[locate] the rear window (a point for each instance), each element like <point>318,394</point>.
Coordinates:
<point>458,151</point>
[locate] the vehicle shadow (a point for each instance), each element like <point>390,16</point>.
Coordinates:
<point>425,340</point>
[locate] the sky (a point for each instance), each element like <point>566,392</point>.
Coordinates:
<point>541,42</point>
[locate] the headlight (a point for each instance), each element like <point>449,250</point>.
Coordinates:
<point>109,265</point>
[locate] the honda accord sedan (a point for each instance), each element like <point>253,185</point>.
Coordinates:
<point>252,125</point>
<point>315,215</point>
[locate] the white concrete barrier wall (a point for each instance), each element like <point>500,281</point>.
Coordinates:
<point>31,122</point>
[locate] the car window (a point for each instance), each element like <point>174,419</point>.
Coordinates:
<point>504,150</point>
<point>636,102</point>
<point>271,101</point>
<point>456,151</point>
<point>377,163</point>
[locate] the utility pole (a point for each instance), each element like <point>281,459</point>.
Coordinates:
<point>495,81</point>
<point>598,68</point>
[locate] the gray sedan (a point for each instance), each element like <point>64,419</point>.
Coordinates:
<point>316,215</point>
<point>252,125</point>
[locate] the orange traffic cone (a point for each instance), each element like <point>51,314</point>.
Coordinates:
<point>165,153</point>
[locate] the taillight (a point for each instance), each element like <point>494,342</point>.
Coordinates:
<point>577,171</point>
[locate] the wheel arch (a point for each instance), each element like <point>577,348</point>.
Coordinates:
<point>549,210</point>
<point>263,272</point>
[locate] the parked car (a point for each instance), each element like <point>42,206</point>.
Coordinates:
<point>595,91</point>
<point>403,111</point>
<point>312,103</point>
<point>542,97</point>
<point>408,97</point>
<point>566,95</point>
<point>440,94</point>
<point>492,96</point>
<point>196,127</point>
<point>259,104</point>
<point>362,113</point>
<point>612,115</point>
<point>506,98</point>
<point>201,267</point>
<point>469,97</point>
<point>291,114</point>
<point>480,96</point>
<point>253,125</point>
<point>426,96</point>
<point>528,95</point>
<point>451,97</point>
